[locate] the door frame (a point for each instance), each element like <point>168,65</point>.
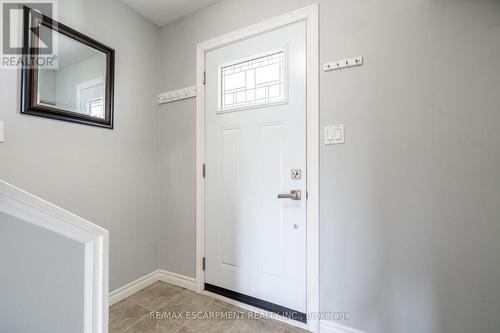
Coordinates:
<point>309,15</point>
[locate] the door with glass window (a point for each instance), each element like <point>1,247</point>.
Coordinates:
<point>255,180</point>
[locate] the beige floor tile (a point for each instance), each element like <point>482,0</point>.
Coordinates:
<point>179,306</point>
<point>149,325</point>
<point>155,295</point>
<point>253,316</point>
<point>230,306</point>
<point>124,314</point>
<point>224,321</point>
<point>256,326</point>
<point>291,329</point>
<point>186,330</point>
<point>288,328</point>
<point>175,307</point>
<point>207,298</point>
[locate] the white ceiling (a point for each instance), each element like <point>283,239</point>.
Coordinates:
<point>162,12</point>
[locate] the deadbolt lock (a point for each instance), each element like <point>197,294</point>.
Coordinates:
<point>295,174</point>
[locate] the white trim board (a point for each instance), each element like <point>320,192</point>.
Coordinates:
<point>159,275</point>
<point>328,326</point>
<point>31,209</point>
<point>310,16</point>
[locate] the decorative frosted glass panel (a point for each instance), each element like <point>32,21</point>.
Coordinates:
<point>256,82</point>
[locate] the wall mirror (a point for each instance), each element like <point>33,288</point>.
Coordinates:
<point>66,75</point>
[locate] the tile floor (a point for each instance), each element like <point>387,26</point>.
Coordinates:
<point>165,308</point>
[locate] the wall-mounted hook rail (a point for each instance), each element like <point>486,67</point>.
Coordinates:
<point>341,64</point>
<point>177,95</point>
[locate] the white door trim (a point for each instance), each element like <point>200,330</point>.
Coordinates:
<point>31,209</point>
<point>310,16</point>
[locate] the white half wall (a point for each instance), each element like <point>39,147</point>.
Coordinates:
<point>54,267</point>
<point>41,278</point>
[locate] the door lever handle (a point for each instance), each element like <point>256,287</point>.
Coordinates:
<point>294,195</point>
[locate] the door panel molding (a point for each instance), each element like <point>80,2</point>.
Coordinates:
<point>309,15</point>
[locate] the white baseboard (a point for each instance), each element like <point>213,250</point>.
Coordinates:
<point>159,275</point>
<point>177,279</point>
<point>327,326</point>
<point>131,288</point>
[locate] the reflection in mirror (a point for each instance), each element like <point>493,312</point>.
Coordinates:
<point>66,75</point>
<point>77,84</point>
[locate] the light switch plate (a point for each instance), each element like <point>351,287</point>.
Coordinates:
<point>1,132</point>
<point>334,135</point>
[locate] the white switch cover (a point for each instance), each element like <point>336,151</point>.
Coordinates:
<point>1,131</point>
<point>334,135</point>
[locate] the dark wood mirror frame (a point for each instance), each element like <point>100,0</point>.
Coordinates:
<point>29,78</point>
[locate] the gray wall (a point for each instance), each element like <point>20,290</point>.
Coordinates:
<point>410,205</point>
<point>42,279</point>
<point>178,186</point>
<point>107,176</point>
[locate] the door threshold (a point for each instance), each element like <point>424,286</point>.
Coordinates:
<point>253,309</point>
<point>258,303</point>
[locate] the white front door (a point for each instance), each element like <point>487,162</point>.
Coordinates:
<point>255,137</point>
